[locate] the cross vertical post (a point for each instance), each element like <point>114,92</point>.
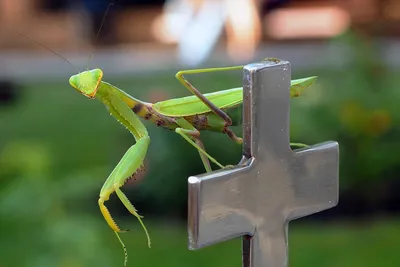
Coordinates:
<point>272,184</point>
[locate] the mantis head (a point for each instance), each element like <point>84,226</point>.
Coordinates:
<point>87,82</point>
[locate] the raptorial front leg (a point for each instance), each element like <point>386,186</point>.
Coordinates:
<point>113,225</point>
<point>129,166</point>
<point>133,211</point>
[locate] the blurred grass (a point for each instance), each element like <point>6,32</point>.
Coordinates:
<point>340,244</point>
<point>84,243</point>
<point>343,244</point>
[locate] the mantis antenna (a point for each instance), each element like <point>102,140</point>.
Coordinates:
<point>45,47</point>
<point>57,54</point>
<point>98,32</point>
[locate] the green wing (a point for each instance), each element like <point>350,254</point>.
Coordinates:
<point>191,105</point>
<point>298,86</point>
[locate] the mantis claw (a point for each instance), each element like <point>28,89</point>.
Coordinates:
<point>133,211</point>
<point>110,220</point>
<point>124,248</point>
<point>107,216</point>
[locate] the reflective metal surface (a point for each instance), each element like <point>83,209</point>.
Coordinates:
<point>271,185</point>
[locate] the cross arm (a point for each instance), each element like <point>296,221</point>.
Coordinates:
<point>315,179</point>
<point>217,211</point>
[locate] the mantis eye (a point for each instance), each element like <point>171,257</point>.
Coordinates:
<point>87,82</point>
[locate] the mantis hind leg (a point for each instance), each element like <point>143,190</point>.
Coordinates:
<point>233,136</point>
<point>189,133</point>
<point>219,112</point>
<point>203,157</point>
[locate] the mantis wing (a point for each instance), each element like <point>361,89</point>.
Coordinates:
<point>298,86</point>
<point>191,105</point>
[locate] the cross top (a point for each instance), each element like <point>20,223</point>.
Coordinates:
<point>271,185</point>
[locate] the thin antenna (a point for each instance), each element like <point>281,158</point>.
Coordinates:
<point>101,26</point>
<point>45,47</point>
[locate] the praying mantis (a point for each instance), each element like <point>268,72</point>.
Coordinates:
<point>187,116</point>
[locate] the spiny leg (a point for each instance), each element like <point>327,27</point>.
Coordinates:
<point>113,225</point>
<point>109,219</point>
<point>220,113</point>
<point>130,164</point>
<point>189,132</point>
<point>124,247</point>
<point>132,210</point>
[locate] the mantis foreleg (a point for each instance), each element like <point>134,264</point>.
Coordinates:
<point>132,210</point>
<point>130,164</point>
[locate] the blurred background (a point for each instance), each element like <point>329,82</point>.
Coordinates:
<point>57,147</point>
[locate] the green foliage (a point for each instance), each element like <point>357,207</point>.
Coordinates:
<point>53,164</point>
<point>355,105</point>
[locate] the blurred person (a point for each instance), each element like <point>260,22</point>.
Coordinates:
<point>243,29</point>
<point>95,10</point>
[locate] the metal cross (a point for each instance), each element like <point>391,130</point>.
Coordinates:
<point>271,185</point>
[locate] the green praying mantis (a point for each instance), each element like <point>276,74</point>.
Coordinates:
<point>187,116</point>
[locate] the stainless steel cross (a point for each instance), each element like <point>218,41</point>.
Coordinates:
<point>271,185</point>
